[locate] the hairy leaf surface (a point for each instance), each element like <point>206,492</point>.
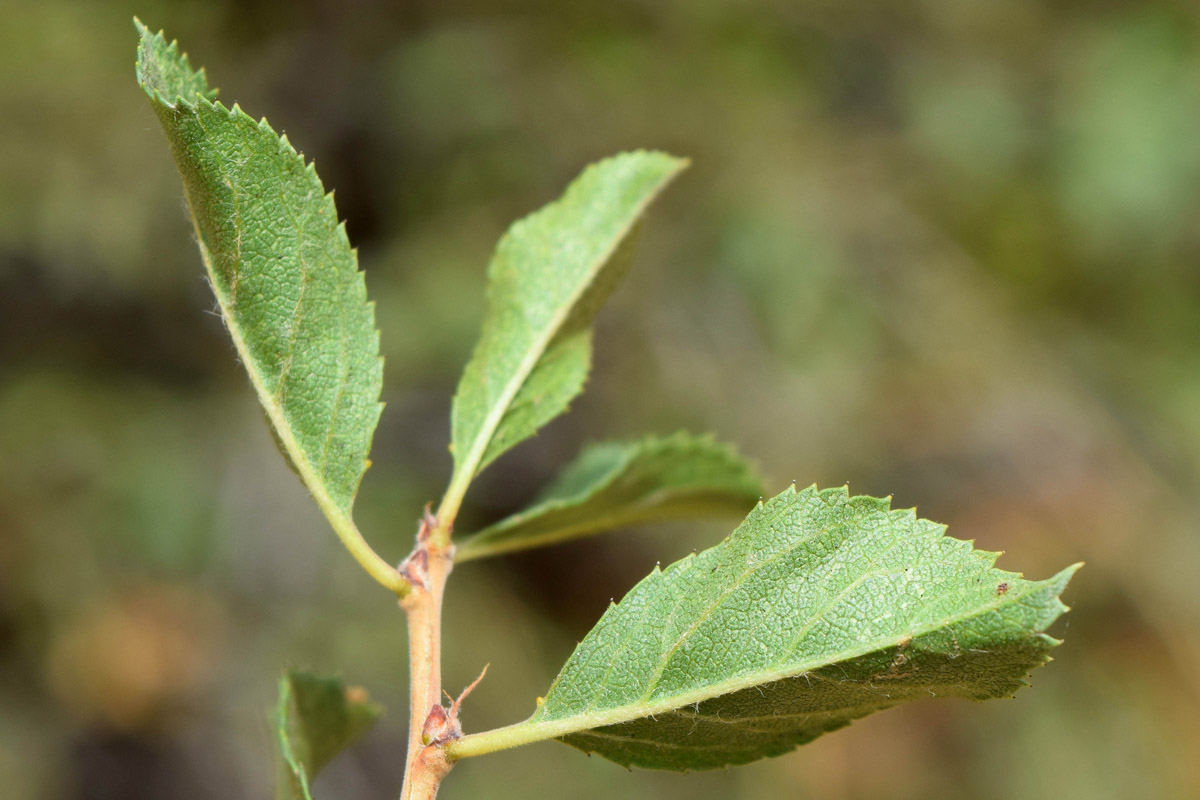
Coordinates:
<point>614,484</point>
<point>819,609</point>
<point>285,278</point>
<point>316,718</point>
<point>549,276</point>
<point>283,272</point>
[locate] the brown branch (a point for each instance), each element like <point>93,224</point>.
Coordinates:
<point>426,569</point>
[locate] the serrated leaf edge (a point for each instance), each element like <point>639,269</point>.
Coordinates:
<point>342,523</point>
<point>534,730</point>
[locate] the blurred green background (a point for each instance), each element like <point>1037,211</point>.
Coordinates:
<point>946,250</point>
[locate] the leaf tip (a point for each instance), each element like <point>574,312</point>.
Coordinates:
<point>164,73</point>
<point>1064,576</point>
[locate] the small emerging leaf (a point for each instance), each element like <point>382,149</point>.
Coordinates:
<point>286,281</point>
<point>615,484</point>
<point>317,718</point>
<point>549,276</point>
<point>819,609</point>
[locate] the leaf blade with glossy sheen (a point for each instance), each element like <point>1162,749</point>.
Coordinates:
<point>549,276</point>
<point>819,609</point>
<point>615,484</point>
<point>285,278</point>
<point>315,719</point>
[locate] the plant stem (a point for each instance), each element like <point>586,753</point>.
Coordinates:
<point>426,774</point>
<point>368,559</point>
<point>427,569</point>
<point>451,502</point>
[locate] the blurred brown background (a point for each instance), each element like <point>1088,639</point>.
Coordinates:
<point>947,250</point>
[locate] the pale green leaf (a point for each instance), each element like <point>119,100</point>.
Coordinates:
<point>819,609</point>
<point>615,484</point>
<point>315,719</point>
<point>285,278</point>
<point>549,276</point>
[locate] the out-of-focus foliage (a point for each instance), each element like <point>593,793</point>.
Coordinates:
<point>316,718</point>
<point>952,246</point>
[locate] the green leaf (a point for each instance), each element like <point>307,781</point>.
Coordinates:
<point>819,609</point>
<point>315,719</point>
<point>549,276</point>
<point>286,281</point>
<point>615,484</point>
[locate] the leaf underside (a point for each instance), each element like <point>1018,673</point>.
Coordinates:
<point>315,719</point>
<point>283,272</point>
<point>615,484</point>
<point>549,276</point>
<point>819,609</point>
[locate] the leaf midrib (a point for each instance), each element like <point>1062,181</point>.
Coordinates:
<point>855,711</point>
